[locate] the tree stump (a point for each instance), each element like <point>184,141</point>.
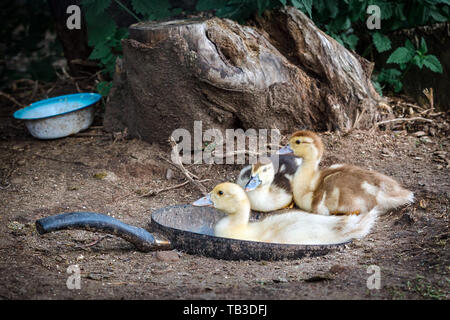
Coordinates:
<point>282,73</point>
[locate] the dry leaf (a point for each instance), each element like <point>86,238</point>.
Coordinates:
<point>423,203</point>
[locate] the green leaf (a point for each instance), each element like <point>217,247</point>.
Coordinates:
<point>109,63</point>
<point>152,9</point>
<point>100,51</point>
<point>205,5</point>
<point>142,6</point>
<point>104,87</point>
<point>341,23</point>
<point>283,2</point>
<point>423,46</point>
<point>333,7</point>
<point>121,33</point>
<point>231,10</point>
<point>350,40</point>
<point>437,16</point>
<point>100,27</point>
<point>389,75</point>
<point>307,4</point>
<point>399,11</point>
<point>297,3</point>
<point>262,5</point>
<point>409,45</point>
<point>432,63</point>
<point>377,87</point>
<point>338,38</point>
<point>319,5</point>
<point>303,5</point>
<point>386,10</point>
<point>400,55</point>
<point>403,66</point>
<point>398,86</point>
<point>109,60</point>
<point>418,61</point>
<point>96,6</point>
<point>381,42</point>
<point>357,10</point>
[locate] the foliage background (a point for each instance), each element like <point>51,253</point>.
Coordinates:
<point>344,20</point>
<point>28,45</point>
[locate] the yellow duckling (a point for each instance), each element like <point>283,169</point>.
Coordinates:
<point>293,227</point>
<point>268,182</point>
<point>339,189</point>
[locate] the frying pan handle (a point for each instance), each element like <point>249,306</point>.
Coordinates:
<point>96,222</point>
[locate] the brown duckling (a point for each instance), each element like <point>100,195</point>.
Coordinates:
<point>339,189</point>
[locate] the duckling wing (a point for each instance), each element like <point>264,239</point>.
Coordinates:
<point>299,227</point>
<point>349,188</point>
<point>287,166</point>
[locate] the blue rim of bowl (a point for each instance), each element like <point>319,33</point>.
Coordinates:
<point>38,104</point>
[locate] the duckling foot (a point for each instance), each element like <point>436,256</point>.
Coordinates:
<point>338,213</point>
<point>289,206</point>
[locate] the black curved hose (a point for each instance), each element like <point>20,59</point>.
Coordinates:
<point>96,222</point>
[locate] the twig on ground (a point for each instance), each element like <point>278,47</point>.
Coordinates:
<point>401,120</point>
<point>177,163</point>
<point>78,87</point>
<point>88,135</point>
<point>425,111</point>
<point>430,96</point>
<point>96,241</point>
<point>357,119</point>
<point>15,83</point>
<point>85,63</point>
<point>10,98</point>
<point>35,90</point>
<point>189,175</point>
<point>156,192</point>
<point>408,104</point>
<point>63,161</point>
<point>4,181</point>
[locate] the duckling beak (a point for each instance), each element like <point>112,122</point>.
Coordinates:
<point>285,150</point>
<point>253,183</point>
<point>204,202</point>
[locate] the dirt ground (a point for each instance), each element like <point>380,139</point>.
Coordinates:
<point>95,172</point>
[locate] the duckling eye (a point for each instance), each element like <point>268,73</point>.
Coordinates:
<point>265,170</point>
<point>298,142</point>
<point>220,192</point>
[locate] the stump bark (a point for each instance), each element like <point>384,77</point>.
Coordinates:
<point>283,72</point>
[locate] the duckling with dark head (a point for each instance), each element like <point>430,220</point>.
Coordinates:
<point>268,182</point>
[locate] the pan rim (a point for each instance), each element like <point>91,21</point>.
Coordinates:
<point>272,245</point>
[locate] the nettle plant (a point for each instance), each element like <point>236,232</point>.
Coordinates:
<point>344,20</point>
<point>405,57</point>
